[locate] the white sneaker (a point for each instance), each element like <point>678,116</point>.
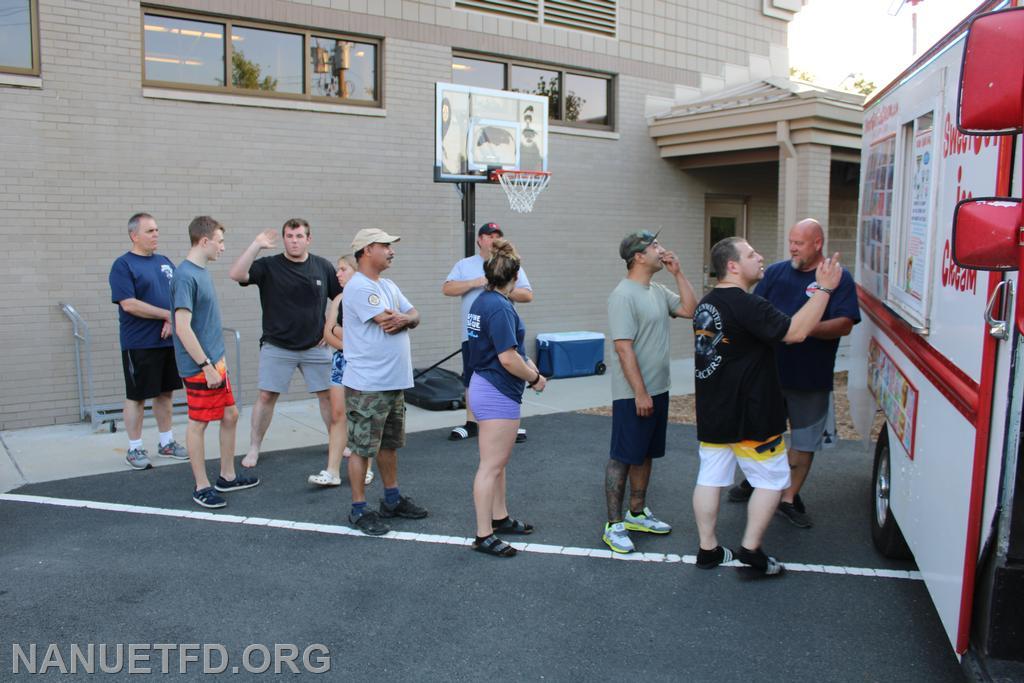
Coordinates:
<point>646,521</point>
<point>325,478</point>
<point>617,538</point>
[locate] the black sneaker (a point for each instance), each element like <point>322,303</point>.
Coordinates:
<point>520,435</point>
<point>370,523</point>
<point>741,492</point>
<point>798,503</point>
<point>208,498</point>
<point>237,484</point>
<point>404,508</point>
<point>793,514</point>
<point>466,431</point>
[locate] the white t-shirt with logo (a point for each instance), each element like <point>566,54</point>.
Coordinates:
<point>471,268</point>
<point>375,360</point>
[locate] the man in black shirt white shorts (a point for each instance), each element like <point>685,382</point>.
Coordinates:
<point>295,287</point>
<point>740,412</point>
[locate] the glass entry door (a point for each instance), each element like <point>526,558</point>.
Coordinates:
<point>723,217</point>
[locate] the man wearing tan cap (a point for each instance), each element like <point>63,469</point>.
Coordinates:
<point>378,370</point>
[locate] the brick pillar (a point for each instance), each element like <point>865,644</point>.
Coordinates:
<point>804,183</point>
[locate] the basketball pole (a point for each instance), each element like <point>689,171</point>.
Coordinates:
<point>469,215</point>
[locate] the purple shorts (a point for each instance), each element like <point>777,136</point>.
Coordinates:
<point>487,403</point>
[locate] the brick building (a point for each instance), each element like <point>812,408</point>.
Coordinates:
<point>225,107</point>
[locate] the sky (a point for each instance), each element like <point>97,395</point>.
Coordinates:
<point>834,38</point>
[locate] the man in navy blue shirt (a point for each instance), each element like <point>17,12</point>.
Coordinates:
<point>805,369</point>
<point>140,285</point>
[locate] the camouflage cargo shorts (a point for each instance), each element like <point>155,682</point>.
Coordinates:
<point>376,420</point>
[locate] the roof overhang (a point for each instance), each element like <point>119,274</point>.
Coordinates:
<point>747,120</point>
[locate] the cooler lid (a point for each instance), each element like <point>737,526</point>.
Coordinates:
<point>569,336</point>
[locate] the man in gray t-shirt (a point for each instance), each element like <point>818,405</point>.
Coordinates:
<point>638,315</point>
<point>199,352</point>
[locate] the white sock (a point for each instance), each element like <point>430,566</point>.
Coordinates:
<point>166,437</point>
<point>134,444</point>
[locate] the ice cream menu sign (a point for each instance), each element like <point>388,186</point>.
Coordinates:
<point>895,395</point>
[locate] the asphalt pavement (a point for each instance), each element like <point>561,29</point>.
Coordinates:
<point>281,568</point>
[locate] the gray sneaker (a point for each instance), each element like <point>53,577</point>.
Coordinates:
<point>646,521</point>
<point>173,450</point>
<point>138,459</point>
<point>617,538</point>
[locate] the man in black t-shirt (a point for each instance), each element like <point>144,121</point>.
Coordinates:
<point>295,287</point>
<point>740,412</point>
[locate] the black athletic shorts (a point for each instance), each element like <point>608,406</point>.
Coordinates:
<point>149,372</point>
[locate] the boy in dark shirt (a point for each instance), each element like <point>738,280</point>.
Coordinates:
<point>740,411</point>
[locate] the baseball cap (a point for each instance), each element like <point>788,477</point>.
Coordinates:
<point>636,242</point>
<point>368,236</point>
<point>490,229</point>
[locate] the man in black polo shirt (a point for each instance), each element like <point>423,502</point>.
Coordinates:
<point>295,287</point>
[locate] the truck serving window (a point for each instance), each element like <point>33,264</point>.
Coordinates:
<point>912,233</point>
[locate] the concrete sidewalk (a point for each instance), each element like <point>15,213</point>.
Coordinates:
<point>62,451</point>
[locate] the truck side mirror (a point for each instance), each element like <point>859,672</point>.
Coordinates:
<point>986,233</point>
<point>991,99</point>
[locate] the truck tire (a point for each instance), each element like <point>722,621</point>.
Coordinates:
<point>885,532</point>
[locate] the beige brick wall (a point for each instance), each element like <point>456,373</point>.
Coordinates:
<point>842,211</point>
<point>87,150</point>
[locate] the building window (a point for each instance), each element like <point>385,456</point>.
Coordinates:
<point>195,52</point>
<point>19,37</point>
<point>574,98</point>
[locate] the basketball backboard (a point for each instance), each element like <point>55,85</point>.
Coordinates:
<point>478,130</point>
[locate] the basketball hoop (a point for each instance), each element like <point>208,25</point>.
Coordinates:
<point>521,187</point>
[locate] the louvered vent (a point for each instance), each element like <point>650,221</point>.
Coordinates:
<point>515,9</point>
<point>594,16</point>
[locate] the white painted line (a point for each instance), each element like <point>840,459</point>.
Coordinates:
<point>536,548</point>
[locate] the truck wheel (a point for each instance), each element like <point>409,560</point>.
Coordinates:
<point>600,368</point>
<point>885,532</point>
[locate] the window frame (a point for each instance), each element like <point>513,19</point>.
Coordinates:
<point>305,32</point>
<point>33,20</point>
<point>562,70</point>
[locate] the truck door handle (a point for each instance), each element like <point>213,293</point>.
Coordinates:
<point>1000,329</point>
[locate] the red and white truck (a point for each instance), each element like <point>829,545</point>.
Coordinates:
<point>940,250</point>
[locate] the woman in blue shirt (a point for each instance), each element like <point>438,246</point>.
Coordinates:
<point>501,371</point>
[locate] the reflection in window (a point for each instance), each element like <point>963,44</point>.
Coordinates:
<point>538,82</point>
<point>184,51</point>
<point>586,99</point>
<point>343,69</point>
<point>266,60</point>
<point>16,34</point>
<point>478,73</point>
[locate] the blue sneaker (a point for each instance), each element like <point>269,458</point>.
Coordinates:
<point>237,484</point>
<point>208,498</point>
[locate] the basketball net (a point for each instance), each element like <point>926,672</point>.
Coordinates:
<point>522,187</point>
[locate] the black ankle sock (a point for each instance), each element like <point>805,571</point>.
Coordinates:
<point>499,522</point>
<point>481,539</point>
<point>705,557</point>
<point>755,558</point>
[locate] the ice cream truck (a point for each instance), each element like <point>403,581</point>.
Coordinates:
<point>940,352</point>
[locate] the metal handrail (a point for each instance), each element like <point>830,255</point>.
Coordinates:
<point>80,331</point>
<point>97,415</point>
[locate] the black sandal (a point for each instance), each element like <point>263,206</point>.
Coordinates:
<point>511,526</point>
<point>492,545</point>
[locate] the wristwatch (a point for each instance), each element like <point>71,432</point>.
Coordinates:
<point>205,363</point>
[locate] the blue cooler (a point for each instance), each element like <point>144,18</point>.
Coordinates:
<point>570,354</point>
